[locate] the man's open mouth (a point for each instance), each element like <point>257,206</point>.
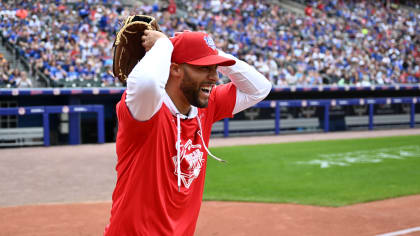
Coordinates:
<point>206,89</point>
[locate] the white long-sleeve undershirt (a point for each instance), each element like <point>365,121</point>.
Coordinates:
<point>146,83</point>
<point>252,86</point>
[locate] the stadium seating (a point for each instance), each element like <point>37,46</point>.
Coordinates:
<point>336,43</point>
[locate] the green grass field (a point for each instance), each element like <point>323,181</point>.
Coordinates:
<point>326,173</point>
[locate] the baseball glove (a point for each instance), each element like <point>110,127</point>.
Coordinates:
<point>128,48</point>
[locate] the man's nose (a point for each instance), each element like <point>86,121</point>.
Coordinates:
<point>214,75</point>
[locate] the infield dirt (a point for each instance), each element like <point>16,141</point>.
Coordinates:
<point>66,190</point>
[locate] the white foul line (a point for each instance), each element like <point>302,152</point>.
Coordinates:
<point>401,232</point>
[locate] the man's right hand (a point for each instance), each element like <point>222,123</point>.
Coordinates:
<point>150,37</point>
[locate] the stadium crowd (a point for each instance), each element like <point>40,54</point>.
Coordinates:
<point>334,42</point>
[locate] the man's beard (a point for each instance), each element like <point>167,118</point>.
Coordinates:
<point>191,91</point>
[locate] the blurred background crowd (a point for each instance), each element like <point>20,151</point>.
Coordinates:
<point>330,42</point>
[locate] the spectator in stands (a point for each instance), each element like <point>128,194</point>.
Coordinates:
<point>22,80</point>
<point>106,76</point>
<point>5,71</point>
<point>2,60</point>
<point>58,74</point>
<point>13,76</point>
<point>314,78</point>
<point>273,68</point>
<point>72,74</point>
<point>291,77</point>
<point>261,66</point>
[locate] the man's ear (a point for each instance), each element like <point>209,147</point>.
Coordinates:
<point>176,70</point>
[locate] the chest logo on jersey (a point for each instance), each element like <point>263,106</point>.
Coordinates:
<point>191,162</point>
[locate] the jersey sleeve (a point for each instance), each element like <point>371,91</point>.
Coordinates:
<point>127,123</point>
<point>222,101</point>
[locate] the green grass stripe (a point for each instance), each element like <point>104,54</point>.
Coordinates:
<point>373,169</point>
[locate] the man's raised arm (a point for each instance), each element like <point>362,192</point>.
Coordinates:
<point>146,82</point>
<point>252,86</point>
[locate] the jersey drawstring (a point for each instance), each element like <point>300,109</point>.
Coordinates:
<point>178,150</point>
<point>178,147</point>
<point>204,144</point>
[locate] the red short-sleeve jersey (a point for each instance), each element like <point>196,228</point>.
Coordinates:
<point>146,200</point>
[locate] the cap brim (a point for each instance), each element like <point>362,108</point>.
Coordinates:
<point>212,60</point>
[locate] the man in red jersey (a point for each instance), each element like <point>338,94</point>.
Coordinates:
<point>165,118</point>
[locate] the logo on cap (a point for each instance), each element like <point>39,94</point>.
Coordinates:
<point>210,42</point>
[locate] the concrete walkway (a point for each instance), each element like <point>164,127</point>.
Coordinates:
<point>86,173</point>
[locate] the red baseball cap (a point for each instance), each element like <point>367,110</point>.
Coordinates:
<point>197,48</point>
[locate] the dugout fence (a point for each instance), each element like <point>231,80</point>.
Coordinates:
<point>23,136</point>
<point>286,110</point>
<point>326,104</point>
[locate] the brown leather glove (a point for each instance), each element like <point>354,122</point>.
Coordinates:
<point>128,48</point>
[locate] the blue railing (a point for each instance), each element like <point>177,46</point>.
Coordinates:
<point>120,90</point>
<point>60,91</point>
<point>327,103</point>
<point>45,111</point>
